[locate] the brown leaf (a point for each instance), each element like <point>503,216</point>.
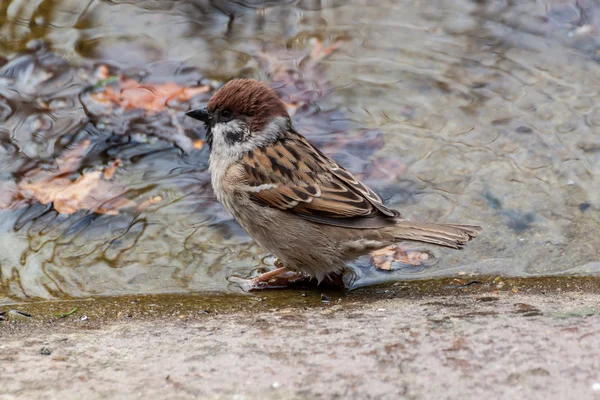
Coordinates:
<point>110,171</point>
<point>91,191</point>
<point>320,52</point>
<point>147,203</point>
<point>153,98</point>
<point>383,258</point>
<point>298,76</point>
<point>88,192</point>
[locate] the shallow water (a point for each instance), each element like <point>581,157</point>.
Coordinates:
<point>455,111</point>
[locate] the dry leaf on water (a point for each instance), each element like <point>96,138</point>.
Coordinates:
<point>384,258</point>
<point>130,94</point>
<point>128,107</point>
<point>302,82</point>
<point>92,191</point>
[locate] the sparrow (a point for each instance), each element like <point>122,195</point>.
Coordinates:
<point>293,200</point>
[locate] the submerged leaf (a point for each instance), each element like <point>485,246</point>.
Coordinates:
<point>91,191</point>
<point>384,258</point>
<point>130,94</point>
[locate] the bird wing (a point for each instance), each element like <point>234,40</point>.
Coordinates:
<point>292,175</point>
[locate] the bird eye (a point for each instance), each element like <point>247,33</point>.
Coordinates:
<point>226,114</point>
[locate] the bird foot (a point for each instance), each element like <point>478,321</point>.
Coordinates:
<point>279,278</point>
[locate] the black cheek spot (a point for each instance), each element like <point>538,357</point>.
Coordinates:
<point>234,137</point>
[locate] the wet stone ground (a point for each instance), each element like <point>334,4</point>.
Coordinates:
<point>416,340</point>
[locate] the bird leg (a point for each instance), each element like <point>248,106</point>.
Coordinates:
<point>267,276</point>
<point>279,278</point>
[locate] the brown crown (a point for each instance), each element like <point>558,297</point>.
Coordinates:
<point>250,98</point>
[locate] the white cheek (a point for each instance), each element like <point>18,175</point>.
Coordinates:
<point>223,154</point>
<point>220,131</point>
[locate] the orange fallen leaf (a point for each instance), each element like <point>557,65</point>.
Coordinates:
<point>319,51</point>
<point>300,82</point>
<point>130,94</point>
<point>384,258</point>
<point>70,160</point>
<point>88,192</point>
<point>91,191</point>
<point>145,204</point>
<point>110,171</point>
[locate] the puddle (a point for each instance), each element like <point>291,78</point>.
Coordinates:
<point>459,112</point>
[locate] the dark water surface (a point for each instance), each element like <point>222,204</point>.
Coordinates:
<point>455,111</point>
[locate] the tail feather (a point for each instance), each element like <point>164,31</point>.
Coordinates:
<point>448,235</point>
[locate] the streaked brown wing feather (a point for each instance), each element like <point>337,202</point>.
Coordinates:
<point>294,176</point>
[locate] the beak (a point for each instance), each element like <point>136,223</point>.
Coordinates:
<point>201,114</point>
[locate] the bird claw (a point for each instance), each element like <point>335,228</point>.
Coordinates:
<point>269,280</point>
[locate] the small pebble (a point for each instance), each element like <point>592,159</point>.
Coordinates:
<point>45,351</point>
<point>276,385</point>
<point>596,386</point>
<point>523,129</point>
